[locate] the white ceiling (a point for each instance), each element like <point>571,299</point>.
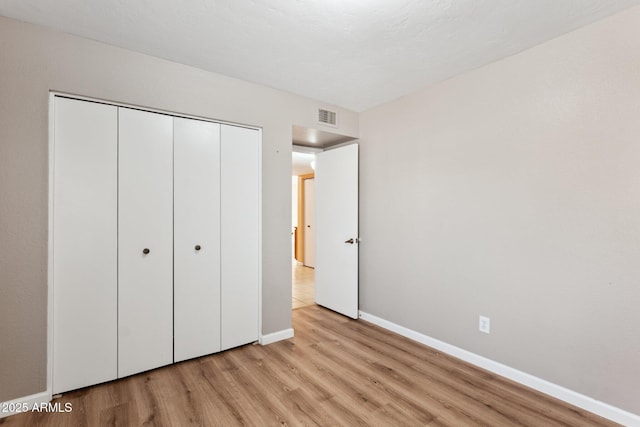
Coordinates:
<point>352,53</point>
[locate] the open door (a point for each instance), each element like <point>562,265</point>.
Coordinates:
<point>336,217</point>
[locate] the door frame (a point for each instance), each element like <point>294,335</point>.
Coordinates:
<point>47,395</point>
<point>299,236</point>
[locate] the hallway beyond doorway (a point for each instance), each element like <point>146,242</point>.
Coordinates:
<point>303,292</point>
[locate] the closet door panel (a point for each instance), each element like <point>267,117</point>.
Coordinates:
<point>84,243</point>
<point>145,280</point>
<point>196,238</point>
<point>240,234</point>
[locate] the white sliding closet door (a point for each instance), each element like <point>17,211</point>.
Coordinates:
<point>85,175</point>
<point>197,238</point>
<point>145,240</point>
<point>240,234</point>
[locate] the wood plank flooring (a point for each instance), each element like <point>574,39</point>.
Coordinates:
<point>335,372</point>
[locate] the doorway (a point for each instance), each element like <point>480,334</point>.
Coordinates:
<point>303,229</point>
<point>324,221</point>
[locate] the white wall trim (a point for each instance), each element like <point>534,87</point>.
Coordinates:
<point>284,334</point>
<point>50,237</point>
<point>260,240</point>
<point>580,400</point>
<point>22,403</point>
<point>53,93</point>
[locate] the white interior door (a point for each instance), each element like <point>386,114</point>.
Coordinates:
<point>240,234</point>
<point>196,238</point>
<point>85,246</point>
<point>145,241</point>
<point>336,257</point>
<point>309,223</point>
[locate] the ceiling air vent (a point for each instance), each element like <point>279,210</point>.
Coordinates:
<point>327,117</point>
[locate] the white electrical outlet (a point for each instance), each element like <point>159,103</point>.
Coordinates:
<point>484,325</point>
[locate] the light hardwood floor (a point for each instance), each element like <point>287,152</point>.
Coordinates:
<point>335,372</point>
<point>303,292</point>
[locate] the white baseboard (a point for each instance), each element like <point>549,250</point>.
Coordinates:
<point>580,400</point>
<point>19,405</point>
<point>284,334</point>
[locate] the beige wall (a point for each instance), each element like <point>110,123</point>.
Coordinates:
<point>513,191</point>
<point>34,61</point>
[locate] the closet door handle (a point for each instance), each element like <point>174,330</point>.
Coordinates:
<point>198,247</point>
<point>146,251</point>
